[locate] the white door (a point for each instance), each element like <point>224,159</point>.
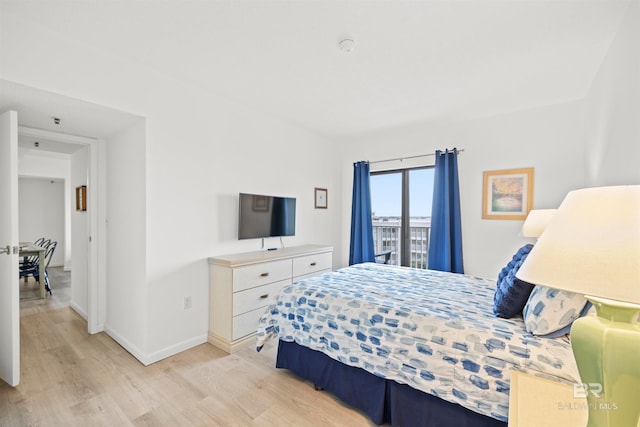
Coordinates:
<point>9,291</point>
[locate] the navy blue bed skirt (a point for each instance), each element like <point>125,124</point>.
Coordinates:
<point>384,401</point>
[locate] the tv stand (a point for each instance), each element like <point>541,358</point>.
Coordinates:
<point>241,286</point>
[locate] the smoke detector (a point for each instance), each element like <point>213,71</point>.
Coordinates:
<point>346,44</point>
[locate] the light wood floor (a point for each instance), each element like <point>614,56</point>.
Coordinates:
<point>71,378</point>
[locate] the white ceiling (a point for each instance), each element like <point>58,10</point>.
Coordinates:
<point>37,108</point>
<point>36,144</point>
<point>413,60</point>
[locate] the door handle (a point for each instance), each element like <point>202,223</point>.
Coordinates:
<point>7,250</point>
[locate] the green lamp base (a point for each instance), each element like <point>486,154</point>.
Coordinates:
<point>607,352</point>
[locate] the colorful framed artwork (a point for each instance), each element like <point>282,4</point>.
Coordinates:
<point>507,194</point>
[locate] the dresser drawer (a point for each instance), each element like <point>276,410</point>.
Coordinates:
<point>260,274</point>
<point>253,298</point>
<point>246,323</point>
<point>308,264</point>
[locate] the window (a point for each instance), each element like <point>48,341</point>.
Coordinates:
<point>402,197</point>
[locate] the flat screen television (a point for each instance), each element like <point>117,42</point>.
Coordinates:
<point>262,216</point>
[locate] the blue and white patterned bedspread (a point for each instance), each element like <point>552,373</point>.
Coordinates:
<point>431,330</point>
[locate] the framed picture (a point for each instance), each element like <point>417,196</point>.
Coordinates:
<point>81,198</point>
<point>507,194</point>
<point>321,198</point>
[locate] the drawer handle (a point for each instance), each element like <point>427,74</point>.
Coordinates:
<point>313,264</point>
<point>265,296</point>
<point>264,274</point>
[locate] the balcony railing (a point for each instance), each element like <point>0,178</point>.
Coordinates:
<point>386,236</point>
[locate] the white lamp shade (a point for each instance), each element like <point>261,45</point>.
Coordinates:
<point>591,245</point>
<point>537,221</point>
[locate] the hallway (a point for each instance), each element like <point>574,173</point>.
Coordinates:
<point>30,301</point>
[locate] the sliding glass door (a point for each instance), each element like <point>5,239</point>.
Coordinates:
<point>386,211</point>
<point>401,210</point>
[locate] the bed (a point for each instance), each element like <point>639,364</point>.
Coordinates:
<point>406,344</point>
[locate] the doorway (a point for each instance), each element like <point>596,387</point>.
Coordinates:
<point>33,112</point>
<point>55,155</point>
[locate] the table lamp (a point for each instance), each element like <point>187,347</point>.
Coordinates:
<point>537,221</point>
<point>591,246</point>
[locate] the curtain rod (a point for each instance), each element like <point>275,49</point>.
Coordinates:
<point>410,157</point>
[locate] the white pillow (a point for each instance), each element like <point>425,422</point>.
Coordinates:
<point>551,312</point>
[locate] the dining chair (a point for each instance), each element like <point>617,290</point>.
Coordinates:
<point>47,259</point>
<point>34,269</point>
<point>27,263</point>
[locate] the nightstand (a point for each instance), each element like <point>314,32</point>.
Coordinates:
<point>539,402</point>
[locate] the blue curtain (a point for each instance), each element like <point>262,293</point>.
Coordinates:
<point>361,249</point>
<point>445,247</point>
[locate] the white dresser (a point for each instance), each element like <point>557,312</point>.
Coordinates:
<point>241,286</point>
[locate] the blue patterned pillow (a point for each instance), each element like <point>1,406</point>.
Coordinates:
<point>550,312</point>
<point>512,293</point>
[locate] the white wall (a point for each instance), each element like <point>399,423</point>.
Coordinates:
<point>548,139</point>
<point>172,196</point>
<point>126,293</point>
<point>199,159</point>
<point>79,234</point>
<point>613,121</point>
<point>42,212</point>
<point>198,166</point>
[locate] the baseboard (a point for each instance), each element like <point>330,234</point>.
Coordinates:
<point>132,349</point>
<point>75,307</point>
<point>175,349</point>
<point>148,359</point>
<point>231,347</point>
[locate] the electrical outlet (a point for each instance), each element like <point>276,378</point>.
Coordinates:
<point>187,303</point>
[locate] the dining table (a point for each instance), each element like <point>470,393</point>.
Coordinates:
<point>30,249</point>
